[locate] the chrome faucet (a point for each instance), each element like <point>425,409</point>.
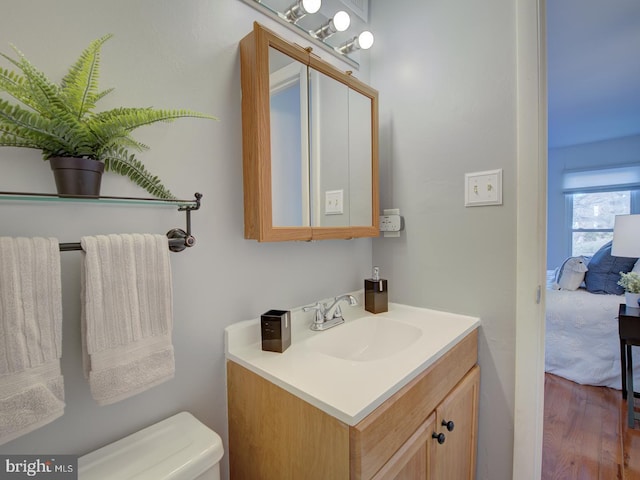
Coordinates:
<point>329,316</point>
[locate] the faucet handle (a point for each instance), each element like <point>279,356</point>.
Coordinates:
<point>315,306</point>
<point>319,308</point>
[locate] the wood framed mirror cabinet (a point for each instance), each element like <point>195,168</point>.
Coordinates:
<point>310,145</point>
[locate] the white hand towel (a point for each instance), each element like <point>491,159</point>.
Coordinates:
<point>31,386</point>
<point>126,314</point>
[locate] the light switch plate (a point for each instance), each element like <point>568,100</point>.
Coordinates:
<point>483,188</point>
<point>334,202</point>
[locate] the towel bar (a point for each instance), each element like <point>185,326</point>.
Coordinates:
<point>176,244</point>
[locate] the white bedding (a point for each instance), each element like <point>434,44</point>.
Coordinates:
<point>582,342</point>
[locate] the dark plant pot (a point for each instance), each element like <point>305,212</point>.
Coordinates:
<point>77,176</point>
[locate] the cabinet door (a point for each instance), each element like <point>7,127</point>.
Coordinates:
<point>412,461</point>
<point>455,459</point>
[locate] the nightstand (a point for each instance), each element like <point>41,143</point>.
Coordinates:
<point>629,330</point>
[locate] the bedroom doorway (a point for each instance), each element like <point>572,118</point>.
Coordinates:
<point>593,175</point>
<point>534,181</point>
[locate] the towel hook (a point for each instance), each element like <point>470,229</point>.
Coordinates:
<point>181,238</point>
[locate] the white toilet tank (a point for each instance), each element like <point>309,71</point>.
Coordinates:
<point>178,448</point>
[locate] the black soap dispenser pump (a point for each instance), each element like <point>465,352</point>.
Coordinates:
<point>375,293</point>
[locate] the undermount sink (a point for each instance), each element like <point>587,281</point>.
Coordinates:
<point>365,339</point>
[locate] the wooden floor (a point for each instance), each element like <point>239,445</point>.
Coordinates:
<point>586,436</point>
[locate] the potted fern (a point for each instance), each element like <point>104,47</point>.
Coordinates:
<point>60,121</point>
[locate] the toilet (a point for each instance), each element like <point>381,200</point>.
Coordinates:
<point>178,448</point>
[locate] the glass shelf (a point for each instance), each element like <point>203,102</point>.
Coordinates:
<point>104,200</point>
<point>178,239</point>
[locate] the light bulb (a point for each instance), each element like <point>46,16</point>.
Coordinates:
<point>365,40</point>
<point>299,9</point>
<point>311,6</point>
<point>341,21</point>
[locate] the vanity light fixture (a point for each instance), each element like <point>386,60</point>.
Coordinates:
<point>297,17</point>
<point>339,23</point>
<point>363,41</point>
<point>301,8</point>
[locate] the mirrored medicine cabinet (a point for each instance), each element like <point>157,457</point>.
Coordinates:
<point>310,145</point>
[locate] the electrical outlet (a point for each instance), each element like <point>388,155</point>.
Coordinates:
<point>390,223</point>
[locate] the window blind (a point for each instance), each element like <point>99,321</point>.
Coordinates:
<point>603,179</point>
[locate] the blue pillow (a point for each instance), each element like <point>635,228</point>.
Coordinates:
<point>604,271</point>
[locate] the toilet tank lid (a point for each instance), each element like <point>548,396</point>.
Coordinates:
<point>176,448</point>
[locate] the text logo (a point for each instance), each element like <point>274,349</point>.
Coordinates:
<point>44,467</point>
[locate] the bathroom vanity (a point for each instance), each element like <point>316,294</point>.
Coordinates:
<point>390,396</point>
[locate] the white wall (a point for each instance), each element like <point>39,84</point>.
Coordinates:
<point>164,54</point>
<point>446,72</point>
<point>612,152</point>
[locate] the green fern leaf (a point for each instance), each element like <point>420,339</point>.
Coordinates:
<point>80,85</point>
<point>32,125</point>
<point>103,94</point>
<point>109,136</point>
<point>11,137</point>
<point>13,84</point>
<point>132,118</point>
<point>121,162</point>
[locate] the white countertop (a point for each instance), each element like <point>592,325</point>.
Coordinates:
<point>346,389</point>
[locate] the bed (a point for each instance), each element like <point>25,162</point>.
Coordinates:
<point>582,342</point>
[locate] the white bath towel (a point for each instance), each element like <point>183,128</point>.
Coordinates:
<point>126,314</point>
<point>31,386</point>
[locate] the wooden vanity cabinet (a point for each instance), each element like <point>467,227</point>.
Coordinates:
<point>456,457</point>
<point>424,457</point>
<point>415,459</point>
<point>276,435</point>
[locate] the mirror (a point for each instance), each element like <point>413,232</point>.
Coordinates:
<point>310,158</point>
<point>360,155</point>
<point>288,110</point>
<point>340,142</point>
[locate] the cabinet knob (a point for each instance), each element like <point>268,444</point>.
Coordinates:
<point>450,425</point>
<point>439,436</point>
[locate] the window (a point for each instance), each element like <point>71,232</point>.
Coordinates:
<point>594,198</point>
<point>592,218</point>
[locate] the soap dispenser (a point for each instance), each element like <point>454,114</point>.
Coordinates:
<point>375,293</point>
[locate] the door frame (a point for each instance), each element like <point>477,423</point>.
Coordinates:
<point>531,61</point>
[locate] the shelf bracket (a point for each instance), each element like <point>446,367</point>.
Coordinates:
<point>180,239</point>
